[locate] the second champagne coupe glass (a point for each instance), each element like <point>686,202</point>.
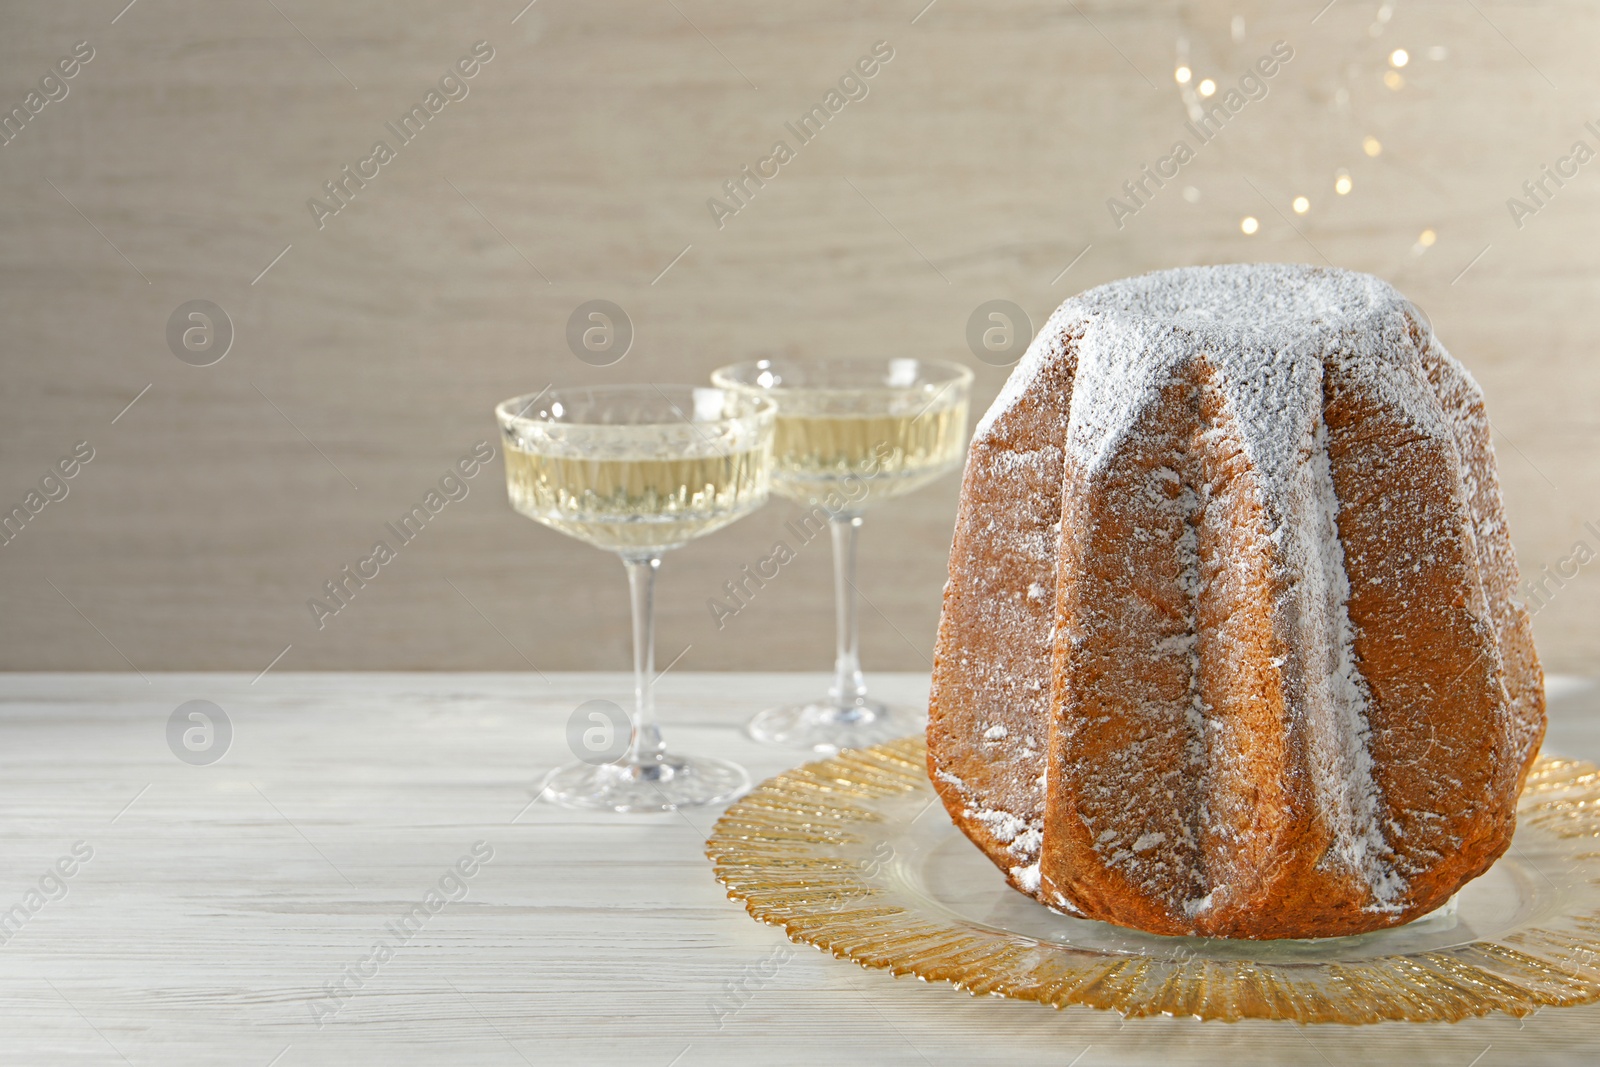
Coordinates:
<point>639,470</point>
<point>852,432</point>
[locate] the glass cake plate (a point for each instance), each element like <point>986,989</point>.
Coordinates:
<point>855,855</point>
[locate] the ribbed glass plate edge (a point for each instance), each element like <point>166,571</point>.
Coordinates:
<point>796,851</point>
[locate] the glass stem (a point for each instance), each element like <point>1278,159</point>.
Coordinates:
<point>646,746</point>
<point>849,687</point>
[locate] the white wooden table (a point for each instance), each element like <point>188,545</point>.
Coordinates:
<point>221,902</point>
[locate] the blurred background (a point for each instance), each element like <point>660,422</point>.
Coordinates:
<point>351,353</point>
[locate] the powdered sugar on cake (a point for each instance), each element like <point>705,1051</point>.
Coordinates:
<point>1266,343</point>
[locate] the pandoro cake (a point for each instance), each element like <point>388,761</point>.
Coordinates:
<point>1231,643</point>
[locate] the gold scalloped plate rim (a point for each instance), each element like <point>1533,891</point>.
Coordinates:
<point>775,850</point>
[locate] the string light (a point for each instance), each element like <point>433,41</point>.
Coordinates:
<point>1194,89</point>
<point>1385,13</point>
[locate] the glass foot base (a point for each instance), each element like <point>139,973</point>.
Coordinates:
<point>666,784</point>
<point>826,727</point>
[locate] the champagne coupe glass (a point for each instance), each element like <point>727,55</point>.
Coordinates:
<point>638,470</point>
<point>852,432</point>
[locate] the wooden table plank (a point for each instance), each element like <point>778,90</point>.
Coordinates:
<point>221,900</point>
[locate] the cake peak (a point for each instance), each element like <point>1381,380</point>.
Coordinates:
<point>1262,299</point>
<point>1252,321</point>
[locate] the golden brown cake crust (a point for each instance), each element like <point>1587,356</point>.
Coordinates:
<point>1230,644</point>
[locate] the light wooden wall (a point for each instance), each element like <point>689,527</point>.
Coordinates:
<point>366,360</point>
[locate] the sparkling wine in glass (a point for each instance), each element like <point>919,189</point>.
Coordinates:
<point>638,470</point>
<point>850,433</point>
